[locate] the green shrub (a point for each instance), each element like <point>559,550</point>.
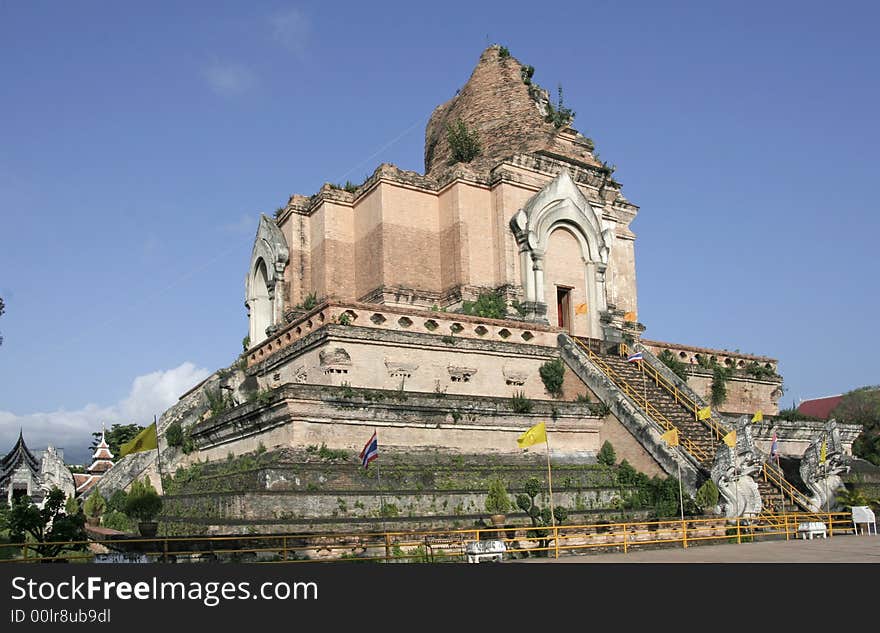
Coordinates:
<point>174,434</point>
<point>497,500</point>
<point>463,143</point>
<point>219,400</point>
<point>310,301</point>
<point>116,520</point>
<point>552,374</point>
<point>143,502</point>
<point>676,366</point>
<point>95,505</point>
<point>489,305</point>
<point>519,403</point>
<point>707,495</point>
<point>559,116</point>
<point>503,52</point>
<point>720,375</point>
<point>116,502</point>
<point>760,372</point>
<point>71,507</point>
<point>606,455</point>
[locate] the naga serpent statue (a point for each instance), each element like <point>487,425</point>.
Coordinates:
<point>732,473</point>
<point>824,478</point>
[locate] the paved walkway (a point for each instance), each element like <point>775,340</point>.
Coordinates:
<point>845,548</point>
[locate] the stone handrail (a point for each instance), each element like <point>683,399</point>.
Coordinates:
<point>646,430</point>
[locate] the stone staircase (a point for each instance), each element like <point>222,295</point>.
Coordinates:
<point>689,428</point>
<point>666,406</point>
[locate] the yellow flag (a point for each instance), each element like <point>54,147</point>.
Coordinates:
<point>759,415</point>
<point>535,435</point>
<point>704,414</point>
<point>730,439</point>
<point>822,453</point>
<point>670,437</point>
<point>629,316</point>
<point>580,308</point>
<point>146,440</point>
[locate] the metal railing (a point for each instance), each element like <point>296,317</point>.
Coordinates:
<point>775,476</point>
<point>770,474</point>
<point>446,545</point>
<point>641,399</point>
<point>682,398</point>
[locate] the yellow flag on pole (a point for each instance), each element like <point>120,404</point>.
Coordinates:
<point>822,453</point>
<point>629,316</point>
<point>670,437</point>
<point>704,413</point>
<point>730,439</point>
<point>535,435</point>
<point>759,415</point>
<point>146,440</point>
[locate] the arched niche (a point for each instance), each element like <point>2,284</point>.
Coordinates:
<point>263,298</point>
<point>560,206</point>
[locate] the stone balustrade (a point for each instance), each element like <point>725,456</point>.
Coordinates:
<point>692,355</point>
<point>354,314</point>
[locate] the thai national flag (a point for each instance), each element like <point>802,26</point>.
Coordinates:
<point>632,358</point>
<point>371,451</point>
<point>774,447</point>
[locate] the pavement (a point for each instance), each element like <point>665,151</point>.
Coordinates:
<point>844,548</point>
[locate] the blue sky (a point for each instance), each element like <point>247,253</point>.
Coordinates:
<point>138,144</point>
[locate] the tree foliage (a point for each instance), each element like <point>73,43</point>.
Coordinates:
<point>862,406</point>
<point>95,504</point>
<point>47,530</point>
<point>116,436</point>
<point>606,455</point>
<point>853,496</point>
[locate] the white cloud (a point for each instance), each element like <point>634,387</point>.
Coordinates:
<point>292,30</point>
<point>150,394</point>
<point>231,79</point>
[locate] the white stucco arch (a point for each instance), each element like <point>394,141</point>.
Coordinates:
<point>259,302</point>
<point>263,300</point>
<point>561,205</point>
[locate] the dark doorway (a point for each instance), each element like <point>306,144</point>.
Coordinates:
<point>563,307</point>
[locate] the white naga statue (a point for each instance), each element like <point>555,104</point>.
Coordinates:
<point>824,477</point>
<point>732,473</point>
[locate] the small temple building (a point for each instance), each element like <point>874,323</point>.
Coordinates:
<point>27,474</point>
<point>102,461</point>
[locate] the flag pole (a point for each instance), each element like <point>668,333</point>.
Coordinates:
<point>550,483</point>
<point>158,458</point>
<point>681,501</point>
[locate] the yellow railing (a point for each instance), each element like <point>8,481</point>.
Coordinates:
<point>682,398</point>
<point>776,478</point>
<point>641,399</point>
<point>770,474</point>
<point>449,545</point>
